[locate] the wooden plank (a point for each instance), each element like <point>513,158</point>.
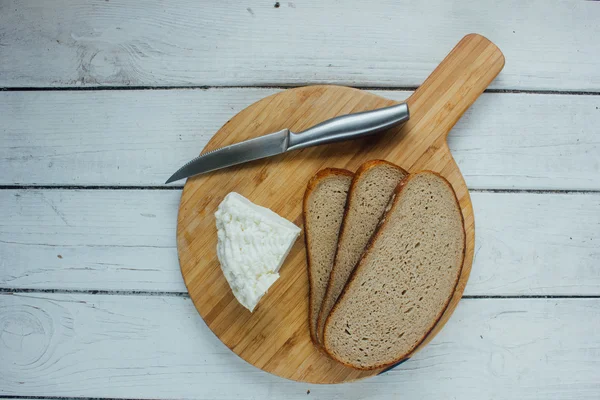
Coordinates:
<point>526,243</point>
<point>118,240</point>
<point>525,141</point>
<point>158,347</point>
<point>351,42</point>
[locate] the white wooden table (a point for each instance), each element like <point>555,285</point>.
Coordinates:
<point>104,99</point>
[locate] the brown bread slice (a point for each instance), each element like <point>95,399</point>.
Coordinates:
<point>405,279</point>
<point>372,187</point>
<point>323,210</point>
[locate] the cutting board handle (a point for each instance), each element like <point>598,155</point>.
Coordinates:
<point>453,86</point>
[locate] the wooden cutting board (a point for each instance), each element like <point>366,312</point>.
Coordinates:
<point>275,336</point>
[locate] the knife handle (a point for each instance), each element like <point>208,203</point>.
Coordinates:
<point>349,126</point>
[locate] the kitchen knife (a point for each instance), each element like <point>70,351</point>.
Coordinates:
<point>337,129</point>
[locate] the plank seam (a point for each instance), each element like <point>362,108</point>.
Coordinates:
<point>186,295</point>
<point>235,87</point>
<point>4,396</point>
<point>95,292</point>
<point>532,296</point>
<point>178,187</point>
<point>91,187</point>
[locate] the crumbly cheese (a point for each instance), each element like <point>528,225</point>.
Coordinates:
<point>253,242</point>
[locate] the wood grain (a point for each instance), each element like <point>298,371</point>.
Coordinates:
<point>504,141</point>
<point>112,346</point>
<point>348,42</point>
<point>275,337</point>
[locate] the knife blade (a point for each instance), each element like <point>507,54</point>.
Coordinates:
<point>249,150</point>
<point>337,129</point>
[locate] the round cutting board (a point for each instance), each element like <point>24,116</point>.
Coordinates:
<point>275,337</point>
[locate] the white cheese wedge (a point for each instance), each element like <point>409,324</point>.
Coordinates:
<point>253,242</point>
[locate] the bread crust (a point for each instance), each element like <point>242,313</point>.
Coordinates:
<point>365,167</point>
<point>377,233</point>
<point>312,184</point>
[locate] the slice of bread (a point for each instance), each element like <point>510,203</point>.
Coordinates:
<point>372,187</point>
<point>405,279</point>
<point>323,210</point>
